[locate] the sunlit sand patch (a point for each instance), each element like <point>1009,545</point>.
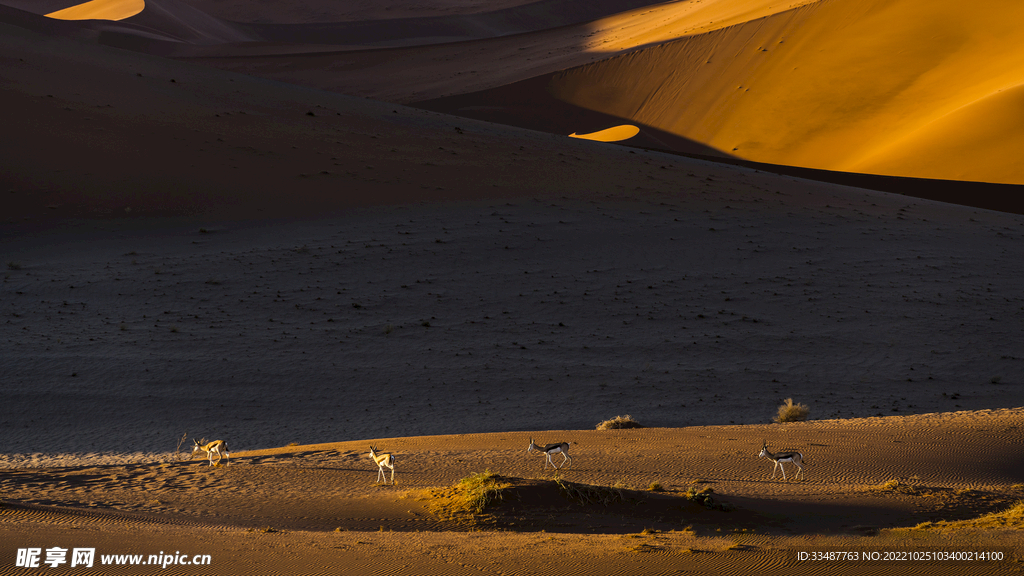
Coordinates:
<point>100,10</point>
<point>613,134</point>
<point>672,20</point>
<point>831,86</point>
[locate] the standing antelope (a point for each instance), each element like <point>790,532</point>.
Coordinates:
<point>211,448</point>
<point>560,448</point>
<point>794,457</point>
<point>383,460</point>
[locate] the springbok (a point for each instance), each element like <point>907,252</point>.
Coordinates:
<point>560,448</point>
<point>383,460</point>
<point>794,457</point>
<point>218,447</point>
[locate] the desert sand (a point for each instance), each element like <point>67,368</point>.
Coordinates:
<point>100,10</point>
<point>224,220</point>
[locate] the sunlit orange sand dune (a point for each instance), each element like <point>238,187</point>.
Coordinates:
<point>100,10</point>
<point>928,89</point>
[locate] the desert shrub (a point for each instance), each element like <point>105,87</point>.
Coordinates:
<point>469,496</point>
<point>701,496</point>
<point>790,412</point>
<point>481,489</point>
<point>619,422</point>
<point>895,486</point>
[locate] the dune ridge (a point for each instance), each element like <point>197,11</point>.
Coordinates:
<point>906,88</point>
<point>879,483</point>
<point>100,10</point>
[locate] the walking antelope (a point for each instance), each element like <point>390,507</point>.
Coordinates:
<point>794,457</point>
<point>560,448</point>
<point>211,448</point>
<point>383,460</point>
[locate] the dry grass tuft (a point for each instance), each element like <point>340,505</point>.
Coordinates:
<point>701,495</point>
<point>470,496</point>
<point>790,412</point>
<point>619,422</point>
<point>704,496</point>
<point>894,486</point>
<point>1010,519</point>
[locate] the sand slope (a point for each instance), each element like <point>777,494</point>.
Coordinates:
<point>135,195</point>
<point>100,10</point>
<point>306,507</point>
<point>905,88</point>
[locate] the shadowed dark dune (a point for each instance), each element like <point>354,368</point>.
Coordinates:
<point>529,104</point>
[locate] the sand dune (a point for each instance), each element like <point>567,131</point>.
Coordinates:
<point>100,10</point>
<point>348,10</point>
<point>868,481</point>
<point>221,152</point>
<point>907,88</point>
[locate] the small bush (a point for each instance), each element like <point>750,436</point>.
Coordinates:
<point>619,422</point>
<point>698,494</point>
<point>469,497</point>
<point>790,412</point>
<point>481,489</point>
<point>701,496</point>
<point>12,265</point>
<point>656,487</point>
